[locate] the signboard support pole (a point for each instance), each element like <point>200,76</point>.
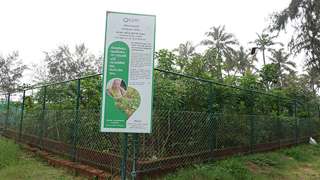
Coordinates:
<point>135,156</point>
<point>124,157</point>
<point>22,111</point>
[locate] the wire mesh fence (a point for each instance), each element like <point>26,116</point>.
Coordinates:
<point>194,120</point>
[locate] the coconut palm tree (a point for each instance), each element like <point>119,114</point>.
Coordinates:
<point>244,61</point>
<point>223,42</point>
<point>264,42</point>
<point>185,52</point>
<point>281,58</point>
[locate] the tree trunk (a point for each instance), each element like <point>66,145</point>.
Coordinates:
<point>219,60</point>
<point>264,57</point>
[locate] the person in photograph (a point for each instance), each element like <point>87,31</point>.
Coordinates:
<point>116,90</point>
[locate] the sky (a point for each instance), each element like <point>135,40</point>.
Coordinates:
<point>35,26</point>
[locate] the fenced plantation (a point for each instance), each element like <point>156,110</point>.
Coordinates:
<point>194,120</point>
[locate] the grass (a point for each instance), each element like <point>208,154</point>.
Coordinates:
<point>18,165</point>
<point>301,162</point>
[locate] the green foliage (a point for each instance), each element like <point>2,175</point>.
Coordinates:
<point>269,74</point>
<point>304,16</point>
<point>165,59</point>
<point>268,159</point>
<point>298,162</point>
<point>11,71</point>
<point>130,102</point>
<point>232,168</point>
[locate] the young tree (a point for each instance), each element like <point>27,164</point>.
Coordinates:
<point>11,71</point>
<point>165,59</point>
<point>185,52</point>
<point>269,75</point>
<point>63,64</point>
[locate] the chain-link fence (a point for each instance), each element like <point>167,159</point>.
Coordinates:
<point>194,120</point>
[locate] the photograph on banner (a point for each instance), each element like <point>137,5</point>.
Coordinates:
<point>128,73</point>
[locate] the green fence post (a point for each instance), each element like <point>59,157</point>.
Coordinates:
<point>123,170</point>
<point>21,118</point>
<point>135,155</point>
<point>76,121</point>
<point>319,112</point>
<point>252,139</point>
<point>211,121</point>
<point>8,109</point>
<point>279,123</point>
<point>308,121</point>
<point>42,116</point>
<point>252,123</point>
<point>296,121</point>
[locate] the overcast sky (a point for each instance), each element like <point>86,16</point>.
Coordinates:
<point>34,26</point>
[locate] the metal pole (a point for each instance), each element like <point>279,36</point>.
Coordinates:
<point>211,121</point>
<point>251,133</point>
<point>21,118</point>
<point>252,119</point>
<point>279,123</point>
<point>8,109</point>
<point>297,122</point>
<point>319,112</point>
<point>309,121</point>
<point>76,121</point>
<point>43,115</point>
<point>124,156</point>
<point>135,155</point>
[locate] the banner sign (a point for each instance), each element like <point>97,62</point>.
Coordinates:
<point>128,73</point>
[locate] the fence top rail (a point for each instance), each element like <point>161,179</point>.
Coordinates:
<point>61,82</point>
<point>164,71</point>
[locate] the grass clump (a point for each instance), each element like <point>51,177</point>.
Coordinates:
<point>233,168</point>
<point>269,159</point>
<point>17,165</point>
<point>298,153</point>
<point>301,162</point>
<point>9,153</point>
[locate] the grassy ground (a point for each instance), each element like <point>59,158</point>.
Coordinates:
<point>18,165</point>
<point>302,162</point>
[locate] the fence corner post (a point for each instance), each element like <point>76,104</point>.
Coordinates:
<point>42,117</point>
<point>252,133</point>
<point>76,122</point>
<point>7,115</point>
<point>252,123</point>
<point>22,113</point>
<point>296,122</point>
<point>211,122</point>
<point>279,123</point>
